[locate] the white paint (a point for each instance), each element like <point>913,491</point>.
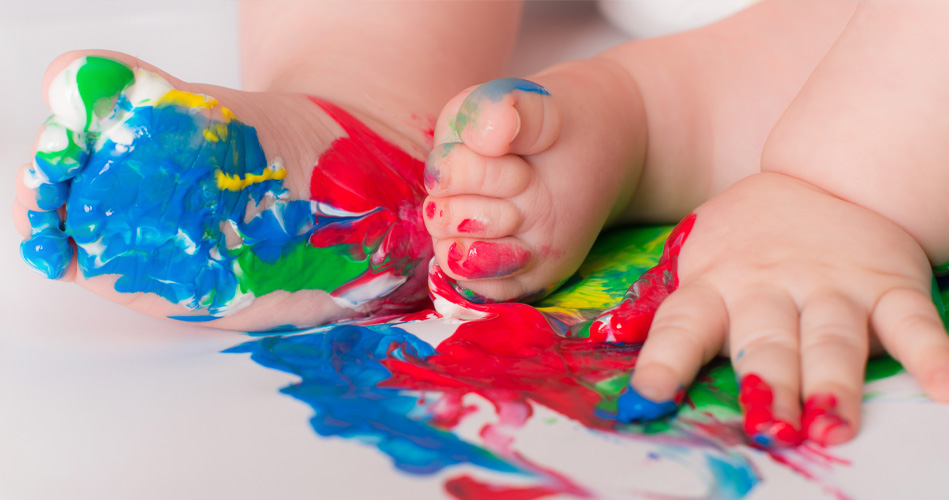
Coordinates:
<point>34,177</point>
<point>379,286</point>
<point>64,99</point>
<point>53,138</point>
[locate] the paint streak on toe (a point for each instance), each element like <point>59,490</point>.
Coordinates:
<point>485,260</point>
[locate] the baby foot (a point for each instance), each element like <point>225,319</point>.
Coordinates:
<point>522,178</point>
<point>153,194</point>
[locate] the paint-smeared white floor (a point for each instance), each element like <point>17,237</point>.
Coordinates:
<point>99,402</point>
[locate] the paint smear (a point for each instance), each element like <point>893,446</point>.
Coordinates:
<point>471,226</point>
<point>485,260</point>
<point>397,387</point>
<point>631,319</point>
<point>757,399</point>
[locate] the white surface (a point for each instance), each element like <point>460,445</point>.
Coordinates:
<point>99,402</point>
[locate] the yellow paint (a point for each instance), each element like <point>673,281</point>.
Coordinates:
<point>191,100</point>
<point>216,132</point>
<point>236,183</point>
<point>187,99</point>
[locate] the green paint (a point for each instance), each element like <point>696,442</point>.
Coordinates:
<point>68,156</point>
<point>304,267</point>
<point>882,367</point>
<point>609,389</point>
<point>940,298</point>
<point>462,119</point>
<point>714,393</point>
<point>100,81</point>
<point>616,260</point>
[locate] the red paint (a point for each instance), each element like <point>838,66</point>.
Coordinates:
<point>515,355</point>
<point>430,210</point>
<point>471,226</point>
<point>487,260</point>
<point>364,174</point>
<point>631,319</point>
<point>821,421</point>
<point>757,401</point>
<point>466,487</point>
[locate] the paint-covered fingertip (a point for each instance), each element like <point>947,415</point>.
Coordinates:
<point>772,433</point>
<point>822,423</point>
<point>761,426</point>
<point>632,406</point>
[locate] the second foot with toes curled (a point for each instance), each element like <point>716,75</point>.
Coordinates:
<point>520,184</point>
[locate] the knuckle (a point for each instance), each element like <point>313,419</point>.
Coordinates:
<point>834,337</point>
<point>677,320</point>
<point>773,340</point>
<point>914,322</point>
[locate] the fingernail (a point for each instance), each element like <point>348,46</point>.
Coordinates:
<point>495,90</point>
<point>822,423</point>
<point>432,177</point>
<point>487,260</point>
<point>757,400</point>
<point>436,179</point>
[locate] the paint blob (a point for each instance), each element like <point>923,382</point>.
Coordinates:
<point>757,399</point>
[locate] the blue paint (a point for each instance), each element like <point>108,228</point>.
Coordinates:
<point>193,319</point>
<point>47,253</point>
<point>277,329</point>
<point>41,222</point>
<point>764,439</point>
<point>47,250</point>
<point>51,196</point>
<point>631,406</point>
<point>734,478</point>
<point>59,167</point>
<point>152,212</point>
<point>340,373</point>
<point>495,90</point>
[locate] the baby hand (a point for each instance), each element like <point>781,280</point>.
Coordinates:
<point>797,287</point>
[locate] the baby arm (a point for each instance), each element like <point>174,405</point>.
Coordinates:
<point>797,271</point>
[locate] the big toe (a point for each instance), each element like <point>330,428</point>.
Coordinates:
<point>504,116</point>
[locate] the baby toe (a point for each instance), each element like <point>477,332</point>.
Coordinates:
<point>47,249</point>
<point>467,259</point>
<point>453,169</point>
<point>36,192</point>
<point>508,115</point>
<point>472,216</point>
